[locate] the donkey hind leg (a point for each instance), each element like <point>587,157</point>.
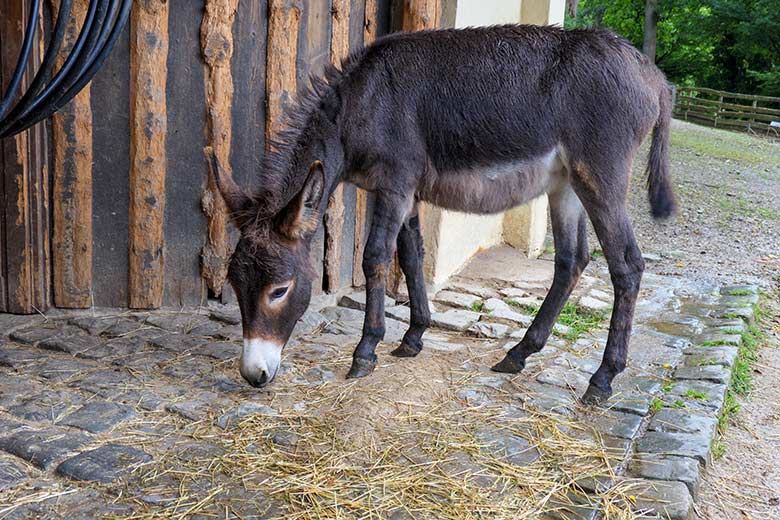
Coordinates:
<point>626,265</point>
<point>410,256</point>
<point>386,222</point>
<point>571,258</point>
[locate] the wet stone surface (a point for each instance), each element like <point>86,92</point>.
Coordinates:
<point>87,399</point>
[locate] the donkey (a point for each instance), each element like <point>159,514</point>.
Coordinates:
<point>476,120</point>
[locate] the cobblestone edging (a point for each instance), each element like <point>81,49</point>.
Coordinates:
<point>677,446</point>
<point>69,386</point>
<point>666,430</point>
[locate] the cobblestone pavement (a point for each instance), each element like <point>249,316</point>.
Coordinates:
<point>141,415</point>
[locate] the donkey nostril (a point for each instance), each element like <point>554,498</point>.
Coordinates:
<point>259,381</point>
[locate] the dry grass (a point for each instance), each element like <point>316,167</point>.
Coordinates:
<point>432,461</point>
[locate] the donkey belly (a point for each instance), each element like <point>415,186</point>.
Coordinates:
<point>493,188</point>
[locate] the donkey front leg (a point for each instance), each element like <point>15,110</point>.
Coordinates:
<point>386,222</point>
<point>410,256</point>
<point>571,258</point>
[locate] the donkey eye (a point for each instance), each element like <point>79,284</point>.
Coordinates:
<point>278,293</point>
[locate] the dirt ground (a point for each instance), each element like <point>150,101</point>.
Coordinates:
<point>728,226</point>
<point>728,230</point>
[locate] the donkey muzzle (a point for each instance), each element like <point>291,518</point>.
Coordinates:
<point>260,361</point>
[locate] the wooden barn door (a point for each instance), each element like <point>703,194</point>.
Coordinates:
<point>24,213</point>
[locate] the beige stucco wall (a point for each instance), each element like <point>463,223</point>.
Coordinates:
<point>451,238</point>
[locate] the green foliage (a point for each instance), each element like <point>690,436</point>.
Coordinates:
<point>580,322</point>
<point>723,44</point>
<point>696,394</point>
<point>478,306</point>
<point>656,405</point>
<point>741,378</point>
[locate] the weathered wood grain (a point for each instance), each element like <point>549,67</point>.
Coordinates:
<point>284,18</point>
<point>24,183</point>
<point>217,49</point>
<point>148,129</point>
<point>420,14</point>
<point>334,217</point>
<point>370,26</point>
<point>72,186</point>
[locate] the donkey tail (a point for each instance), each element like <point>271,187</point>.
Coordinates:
<point>659,182</point>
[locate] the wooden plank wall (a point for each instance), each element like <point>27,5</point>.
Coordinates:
<point>184,75</point>
<point>24,237</point>
<point>148,132</point>
<point>72,187</point>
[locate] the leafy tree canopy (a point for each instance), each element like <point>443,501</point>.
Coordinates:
<point>729,45</point>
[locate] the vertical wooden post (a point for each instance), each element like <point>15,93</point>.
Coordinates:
<point>421,14</point>
<point>718,109</point>
<point>334,217</point>
<point>24,187</point>
<point>148,127</point>
<point>417,16</point>
<point>216,40</point>
<point>72,192</point>
<point>284,18</point>
<point>361,196</point>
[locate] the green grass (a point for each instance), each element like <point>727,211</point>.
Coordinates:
<point>656,405</point>
<point>668,387</point>
<point>478,306</point>
<point>580,322</point>
<point>739,205</point>
<point>721,144</point>
<point>714,343</point>
<point>708,362</point>
<point>598,253</point>
<point>696,394</point>
<point>740,292</point>
<point>718,448</point>
<point>735,332</point>
<point>741,378</point>
<point>678,404</point>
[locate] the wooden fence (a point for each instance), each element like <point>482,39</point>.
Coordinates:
<point>758,115</point>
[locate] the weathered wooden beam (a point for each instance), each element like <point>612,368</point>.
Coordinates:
<point>334,217</point>
<point>72,190</point>
<point>417,15</point>
<point>216,40</point>
<point>24,190</point>
<point>284,17</point>
<point>421,14</point>
<point>148,127</point>
<point>361,196</point>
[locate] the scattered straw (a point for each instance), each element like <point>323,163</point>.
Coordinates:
<point>431,460</point>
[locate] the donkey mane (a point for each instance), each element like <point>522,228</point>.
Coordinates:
<point>281,177</point>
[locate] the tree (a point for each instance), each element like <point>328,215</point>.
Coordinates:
<point>651,29</point>
<point>723,44</point>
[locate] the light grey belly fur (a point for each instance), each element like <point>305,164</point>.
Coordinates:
<point>494,188</point>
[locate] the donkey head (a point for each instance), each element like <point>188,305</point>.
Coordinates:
<point>270,269</point>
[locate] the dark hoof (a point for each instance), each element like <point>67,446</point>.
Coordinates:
<point>406,350</point>
<point>594,396</point>
<point>361,367</point>
<point>508,366</point>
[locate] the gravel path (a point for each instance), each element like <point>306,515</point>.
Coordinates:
<point>728,226</point>
<point>728,230</point>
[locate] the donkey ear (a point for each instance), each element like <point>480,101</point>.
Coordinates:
<point>302,213</point>
<point>235,198</point>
